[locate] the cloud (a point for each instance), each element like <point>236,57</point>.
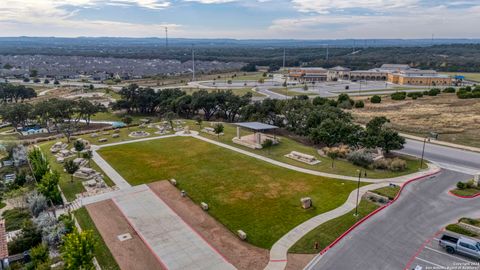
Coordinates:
<point>211,1</point>
<point>323,6</point>
<point>415,23</point>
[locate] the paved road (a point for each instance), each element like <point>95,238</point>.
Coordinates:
<point>445,157</point>
<point>390,239</point>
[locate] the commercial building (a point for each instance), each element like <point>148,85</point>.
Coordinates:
<point>419,77</point>
<point>394,73</point>
<point>307,74</point>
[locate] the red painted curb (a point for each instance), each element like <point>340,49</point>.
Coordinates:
<point>464,197</point>
<point>422,247</point>
<point>374,212</point>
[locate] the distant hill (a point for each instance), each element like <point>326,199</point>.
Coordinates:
<point>109,41</point>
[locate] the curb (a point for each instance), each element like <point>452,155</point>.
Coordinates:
<point>464,197</point>
<point>358,223</point>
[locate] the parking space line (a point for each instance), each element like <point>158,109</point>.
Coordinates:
<point>432,263</point>
<point>446,254</point>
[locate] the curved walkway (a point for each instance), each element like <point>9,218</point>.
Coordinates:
<point>278,252</point>
<point>399,179</point>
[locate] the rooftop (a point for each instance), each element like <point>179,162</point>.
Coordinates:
<point>257,126</point>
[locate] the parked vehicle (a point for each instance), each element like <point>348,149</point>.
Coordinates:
<point>461,245</point>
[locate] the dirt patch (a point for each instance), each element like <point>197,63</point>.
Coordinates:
<point>298,261</point>
<point>242,255</point>
<point>130,254</point>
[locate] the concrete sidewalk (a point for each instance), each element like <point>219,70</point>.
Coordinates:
<point>279,250</point>
<point>400,179</point>
<point>119,181</point>
<point>174,242</point>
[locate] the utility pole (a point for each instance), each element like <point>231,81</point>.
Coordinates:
<point>284,58</point>
<point>193,64</point>
<point>358,191</point>
<point>166,38</point>
<point>327,54</point>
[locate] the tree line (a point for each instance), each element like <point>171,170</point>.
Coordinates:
<point>61,115</point>
<point>10,93</point>
<point>323,121</point>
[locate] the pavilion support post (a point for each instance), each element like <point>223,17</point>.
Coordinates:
<point>258,137</point>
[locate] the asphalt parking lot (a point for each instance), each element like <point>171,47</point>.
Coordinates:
<point>432,256</point>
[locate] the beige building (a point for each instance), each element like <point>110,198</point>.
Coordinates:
<point>307,74</point>
<point>419,77</point>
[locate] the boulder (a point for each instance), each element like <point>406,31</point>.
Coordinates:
<point>204,206</point>
<point>306,202</point>
<point>242,235</point>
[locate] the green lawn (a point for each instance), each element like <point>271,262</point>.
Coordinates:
<point>124,135</point>
<point>290,93</point>
<point>326,233</point>
<point>389,192</point>
<point>102,253</point>
<point>287,145</point>
<point>68,187</point>
<point>466,192</point>
<point>243,193</point>
<point>460,230</point>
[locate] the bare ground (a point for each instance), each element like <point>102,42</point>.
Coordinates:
<point>456,120</point>
<point>241,254</point>
<point>298,261</point>
<point>131,254</point>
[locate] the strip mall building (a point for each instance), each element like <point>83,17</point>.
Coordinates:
<point>393,73</point>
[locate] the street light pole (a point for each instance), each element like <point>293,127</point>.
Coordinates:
<point>358,191</point>
<point>423,152</point>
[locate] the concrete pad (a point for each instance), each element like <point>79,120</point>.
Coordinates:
<point>176,244</point>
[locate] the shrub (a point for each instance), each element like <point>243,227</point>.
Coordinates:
<point>434,92</point>
<point>360,158</point>
<point>382,164</point>
<point>359,104</point>
<point>398,165</point>
<point>415,95</point>
<point>376,99</point>
<point>449,90</point>
<point>463,94</point>
<point>399,96</point>
<point>461,185</point>
<point>14,218</point>
<point>37,203</point>
<point>346,104</point>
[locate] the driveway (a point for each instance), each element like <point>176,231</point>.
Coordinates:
<point>391,238</point>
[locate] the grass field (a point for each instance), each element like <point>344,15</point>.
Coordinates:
<point>69,188</point>
<point>243,193</point>
<point>102,253</point>
<point>389,192</point>
<point>287,145</point>
<point>14,218</point>
<point>326,233</point>
<point>290,93</point>
<point>455,120</point>
<point>468,75</point>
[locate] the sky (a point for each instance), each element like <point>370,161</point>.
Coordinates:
<point>242,19</point>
